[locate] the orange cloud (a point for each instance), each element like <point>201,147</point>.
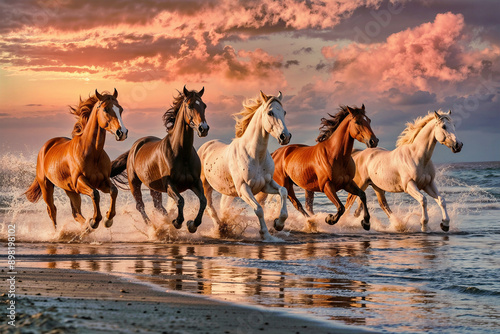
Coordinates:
<point>412,60</point>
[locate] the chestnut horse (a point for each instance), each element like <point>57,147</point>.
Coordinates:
<point>170,164</point>
<point>409,167</point>
<point>80,165</point>
<point>326,166</point>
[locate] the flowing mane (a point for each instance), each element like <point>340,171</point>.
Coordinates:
<point>413,128</point>
<point>171,113</point>
<point>328,126</point>
<point>244,117</point>
<point>82,113</point>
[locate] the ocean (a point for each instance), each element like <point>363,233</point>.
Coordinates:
<point>393,278</point>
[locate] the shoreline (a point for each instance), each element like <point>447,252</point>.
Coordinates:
<point>75,301</point>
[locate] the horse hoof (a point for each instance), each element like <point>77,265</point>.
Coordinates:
<point>365,225</point>
<point>176,224</point>
<point>330,220</point>
<point>445,228</point>
<point>93,223</point>
<point>108,222</point>
<point>277,226</point>
<point>191,226</point>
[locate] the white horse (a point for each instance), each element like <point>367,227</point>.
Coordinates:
<point>408,168</point>
<point>245,167</point>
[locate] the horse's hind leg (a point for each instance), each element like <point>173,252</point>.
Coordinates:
<point>135,188</point>
<point>47,188</point>
<point>310,201</point>
<point>157,202</point>
<point>288,184</point>
<point>433,191</point>
<point>76,206</point>
<point>382,201</point>
<point>85,188</point>
<point>353,188</point>
<point>208,190</point>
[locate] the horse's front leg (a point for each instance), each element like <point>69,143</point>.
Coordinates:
<point>331,193</point>
<point>110,188</point>
<point>83,186</point>
<point>433,191</point>
<point>352,188</point>
<point>198,191</point>
<point>179,200</point>
<point>413,191</point>
<point>246,194</point>
<point>274,188</point>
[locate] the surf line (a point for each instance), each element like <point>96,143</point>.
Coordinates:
<point>11,263</point>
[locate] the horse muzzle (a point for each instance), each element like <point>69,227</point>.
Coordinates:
<point>202,129</point>
<point>372,142</point>
<point>284,138</point>
<point>457,147</point>
<point>121,135</point>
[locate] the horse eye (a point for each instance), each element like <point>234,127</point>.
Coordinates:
<point>270,112</point>
<point>284,112</point>
<point>444,127</point>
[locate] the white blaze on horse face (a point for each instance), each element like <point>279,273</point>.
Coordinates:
<point>119,117</point>
<point>276,120</point>
<point>445,133</point>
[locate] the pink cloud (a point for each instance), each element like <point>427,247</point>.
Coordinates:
<point>414,59</point>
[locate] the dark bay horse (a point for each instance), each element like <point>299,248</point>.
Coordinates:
<point>170,164</point>
<point>327,166</point>
<point>80,165</point>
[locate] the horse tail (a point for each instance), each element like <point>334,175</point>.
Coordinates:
<point>119,171</point>
<point>34,192</point>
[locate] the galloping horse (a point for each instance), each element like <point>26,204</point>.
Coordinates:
<point>80,165</point>
<point>244,167</point>
<point>326,166</point>
<point>170,164</point>
<point>408,168</point>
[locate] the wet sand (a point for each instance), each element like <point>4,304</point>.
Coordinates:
<point>73,301</point>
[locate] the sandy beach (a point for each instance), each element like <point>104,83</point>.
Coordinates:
<point>73,301</point>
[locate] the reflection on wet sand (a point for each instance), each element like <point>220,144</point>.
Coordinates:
<point>340,278</point>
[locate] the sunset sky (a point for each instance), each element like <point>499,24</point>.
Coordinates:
<point>400,59</point>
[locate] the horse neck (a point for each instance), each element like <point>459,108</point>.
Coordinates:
<point>182,135</point>
<point>256,138</point>
<point>93,136</point>
<point>340,143</point>
<point>424,143</point>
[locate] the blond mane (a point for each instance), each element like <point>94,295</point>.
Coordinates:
<point>413,128</point>
<point>244,117</point>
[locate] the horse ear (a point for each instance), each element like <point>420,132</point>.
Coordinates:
<point>449,112</point>
<point>115,94</point>
<point>99,96</point>
<point>263,96</point>
<point>186,92</point>
<point>200,93</point>
<point>280,96</point>
<point>363,107</point>
<point>436,115</point>
<point>349,110</point>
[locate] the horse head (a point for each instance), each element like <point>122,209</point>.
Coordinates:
<point>110,115</point>
<point>445,132</point>
<point>359,127</point>
<point>194,111</point>
<point>273,118</point>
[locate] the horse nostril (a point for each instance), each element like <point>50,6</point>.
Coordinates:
<point>119,133</point>
<point>282,137</point>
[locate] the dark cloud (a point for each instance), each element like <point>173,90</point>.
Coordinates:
<point>290,63</point>
<point>303,50</point>
<point>395,96</point>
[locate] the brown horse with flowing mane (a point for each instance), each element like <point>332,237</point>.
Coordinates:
<point>170,164</point>
<point>80,165</point>
<point>327,166</point>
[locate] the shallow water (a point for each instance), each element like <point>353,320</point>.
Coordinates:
<point>393,278</point>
